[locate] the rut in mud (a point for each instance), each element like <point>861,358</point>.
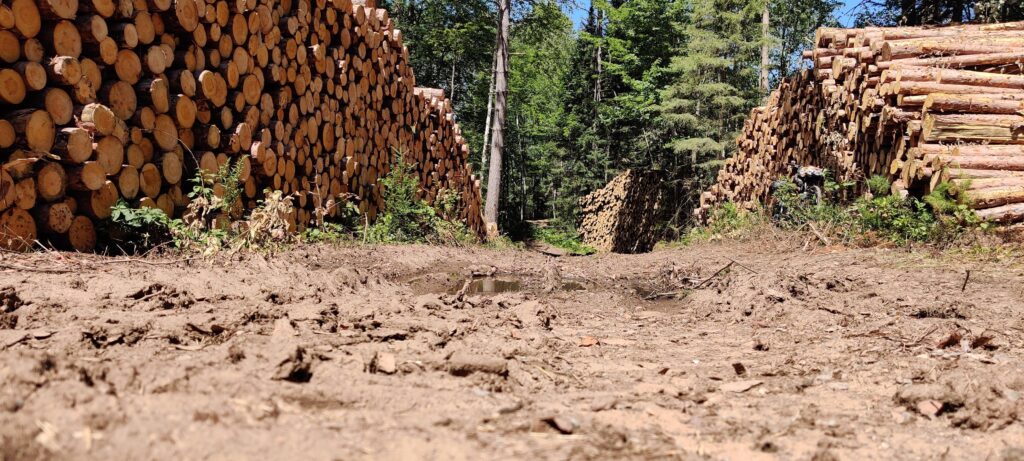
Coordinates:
<point>736,351</point>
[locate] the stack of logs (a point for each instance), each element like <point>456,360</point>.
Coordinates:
<point>108,100</point>
<point>623,217</point>
<point>921,105</point>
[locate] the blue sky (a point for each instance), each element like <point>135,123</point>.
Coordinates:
<point>580,14</point>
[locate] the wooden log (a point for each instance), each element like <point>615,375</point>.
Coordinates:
<point>954,77</point>
<point>17,230</point>
<point>87,177</point>
<point>997,129</point>
<point>1007,104</point>
<point>1007,214</point>
<point>35,127</point>
<point>12,87</point>
<point>54,218</point>
<point>81,234</point>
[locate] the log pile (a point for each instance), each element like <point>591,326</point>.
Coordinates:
<point>623,217</point>
<point>108,100</point>
<point>920,105</point>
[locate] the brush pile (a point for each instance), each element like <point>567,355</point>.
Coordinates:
<point>108,100</point>
<point>623,217</point>
<point>922,106</point>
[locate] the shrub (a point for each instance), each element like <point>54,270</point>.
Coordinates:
<point>407,218</point>
<point>940,218</point>
<point>135,230</point>
<point>727,222</point>
<point>879,186</point>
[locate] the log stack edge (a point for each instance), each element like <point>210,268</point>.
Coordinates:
<point>108,100</point>
<point>920,105</point>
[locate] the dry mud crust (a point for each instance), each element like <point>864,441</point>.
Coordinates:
<point>710,352</point>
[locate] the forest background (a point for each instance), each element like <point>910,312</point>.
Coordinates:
<point>599,86</point>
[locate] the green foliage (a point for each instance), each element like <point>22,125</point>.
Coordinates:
<point>727,222</point>
<point>878,185</point>
<point>407,218</point>
<point>931,12</point>
<point>344,230</point>
<point>939,218</point>
<point>792,25</point>
<point>562,238</point>
<point>135,230</point>
<point>213,221</point>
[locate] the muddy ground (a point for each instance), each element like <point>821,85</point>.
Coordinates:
<point>744,351</point>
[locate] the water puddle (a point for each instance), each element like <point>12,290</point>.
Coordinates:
<point>490,286</point>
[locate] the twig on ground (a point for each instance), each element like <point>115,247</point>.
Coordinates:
<point>715,275</point>
<point>745,267</point>
<point>143,261</point>
<point>924,336</point>
<point>967,279</point>
<point>34,269</point>
<point>814,229</point>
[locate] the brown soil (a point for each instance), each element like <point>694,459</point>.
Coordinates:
<point>373,353</point>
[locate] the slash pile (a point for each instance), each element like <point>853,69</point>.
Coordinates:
<point>108,100</point>
<point>623,217</point>
<point>920,105</point>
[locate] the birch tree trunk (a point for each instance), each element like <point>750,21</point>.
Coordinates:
<point>498,123</point>
<point>490,113</point>
<point>765,48</point>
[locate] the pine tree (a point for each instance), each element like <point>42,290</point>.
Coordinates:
<point>714,86</point>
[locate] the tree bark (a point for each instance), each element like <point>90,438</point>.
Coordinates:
<point>765,48</point>
<point>498,123</point>
<point>490,114</point>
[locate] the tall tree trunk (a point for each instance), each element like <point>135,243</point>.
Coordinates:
<point>765,48</point>
<point>498,123</point>
<point>490,113</point>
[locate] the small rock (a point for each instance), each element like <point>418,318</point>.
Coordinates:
<point>739,368</point>
<point>283,329</point>
<point>564,424</point>
<point>740,387</point>
<point>589,341</point>
<point>9,338</point>
<point>914,395</point>
<point>511,408</point>
<point>604,404</point>
<point>617,342</point>
<point>9,300</point>
<point>929,408</point>
<point>901,416</point>
<point>384,363</point>
<point>465,364</point>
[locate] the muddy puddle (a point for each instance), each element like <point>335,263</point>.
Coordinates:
<point>450,284</point>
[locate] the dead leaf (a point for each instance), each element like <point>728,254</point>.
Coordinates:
<point>982,340</point>
<point>952,340</point>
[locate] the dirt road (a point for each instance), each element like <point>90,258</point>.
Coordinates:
<point>732,351</point>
